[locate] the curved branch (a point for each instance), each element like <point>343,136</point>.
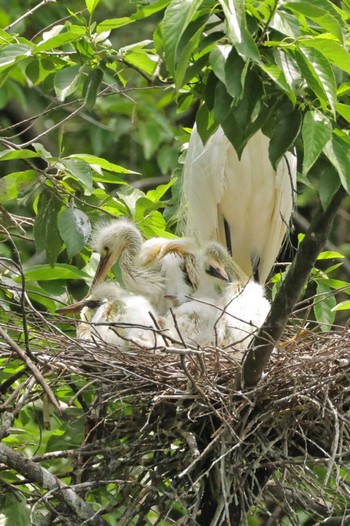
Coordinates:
<point>46,480</point>
<point>289,293</point>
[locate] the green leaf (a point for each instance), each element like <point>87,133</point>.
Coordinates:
<point>338,152</point>
<point>343,305</point>
<point>343,110</point>
<point>329,254</point>
<point>66,81</point>
<point>75,228</point>
<point>330,48</point>
<point>9,155</point>
<point>13,53</point>
<point>277,75</point>
<point>57,41</point>
<point>177,17</point>
<point>237,29</point>
<point>316,132</point>
<point>95,161</point>
<point>335,284</point>
<point>45,227</point>
<point>91,5</point>
<point>91,86</point>
<point>81,171</point>
<point>222,103</point>
<point>328,185</point>
<point>113,23</point>
<point>284,134</point>
<point>316,13</point>
<point>144,11</point>
<point>217,60</point>
<point>234,73</point>
<point>156,194</point>
<point>47,273</point>
<point>323,307</point>
<point>206,125</point>
<point>11,185</point>
<point>14,509</point>
<point>318,74</point>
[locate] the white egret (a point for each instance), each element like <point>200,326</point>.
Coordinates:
<point>244,203</point>
<point>109,305</point>
<point>142,271</point>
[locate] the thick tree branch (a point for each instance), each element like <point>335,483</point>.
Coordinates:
<point>289,293</point>
<point>46,480</point>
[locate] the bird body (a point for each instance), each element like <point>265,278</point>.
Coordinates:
<point>244,203</point>
<point>108,305</point>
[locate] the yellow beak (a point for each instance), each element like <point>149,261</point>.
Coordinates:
<point>104,266</point>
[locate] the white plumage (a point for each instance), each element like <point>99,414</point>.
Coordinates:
<point>108,305</point>
<point>255,200</point>
<point>142,271</point>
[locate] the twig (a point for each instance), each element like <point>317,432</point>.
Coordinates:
<point>36,373</point>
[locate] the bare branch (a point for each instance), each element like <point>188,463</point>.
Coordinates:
<point>264,342</point>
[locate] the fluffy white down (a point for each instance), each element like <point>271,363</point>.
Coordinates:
<point>119,306</point>
<point>256,201</point>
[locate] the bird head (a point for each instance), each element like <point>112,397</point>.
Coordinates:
<point>101,293</point>
<point>218,263</point>
<point>111,241</point>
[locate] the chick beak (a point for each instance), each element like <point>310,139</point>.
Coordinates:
<point>104,266</point>
<point>75,308</point>
<point>218,272</point>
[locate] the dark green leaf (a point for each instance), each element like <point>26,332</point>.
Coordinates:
<point>217,59</point>
<point>14,509</point>
<point>222,103</point>
<point>75,228</point>
<point>316,132</point>
<point>328,185</point>
<point>46,233</point>
<point>91,86</point>
<point>95,161</point>
<point>205,123</point>
<point>234,68</point>
<point>284,134</point>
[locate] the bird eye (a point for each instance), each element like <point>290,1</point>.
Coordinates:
<point>105,248</point>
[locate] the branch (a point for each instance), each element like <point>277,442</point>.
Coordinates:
<point>46,480</point>
<point>31,366</point>
<point>289,293</point>
<point>342,520</point>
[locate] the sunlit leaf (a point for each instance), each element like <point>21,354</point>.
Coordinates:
<point>316,132</point>
<point>66,81</point>
<point>11,185</point>
<point>91,5</point>
<point>113,23</point>
<point>59,271</point>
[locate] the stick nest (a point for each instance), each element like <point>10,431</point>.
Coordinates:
<point>172,438</point>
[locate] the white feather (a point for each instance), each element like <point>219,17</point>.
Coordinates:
<point>256,201</point>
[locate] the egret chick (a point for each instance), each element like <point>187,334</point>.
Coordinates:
<point>108,305</point>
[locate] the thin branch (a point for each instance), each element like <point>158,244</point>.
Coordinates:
<point>289,293</point>
<point>31,366</point>
<point>46,480</point>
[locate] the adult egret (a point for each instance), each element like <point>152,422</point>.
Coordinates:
<point>109,305</point>
<point>142,271</point>
<point>244,203</point>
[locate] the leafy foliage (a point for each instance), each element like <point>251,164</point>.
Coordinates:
<point>94,97</point>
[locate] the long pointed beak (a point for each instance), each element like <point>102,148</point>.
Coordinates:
<point>217,272</point>
<point>104,266</point>
<point>75,308</point>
